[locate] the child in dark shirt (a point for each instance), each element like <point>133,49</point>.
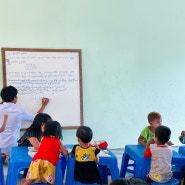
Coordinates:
<point>86,170</point>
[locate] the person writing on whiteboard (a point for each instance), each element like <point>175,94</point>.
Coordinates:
<point>16,115</point>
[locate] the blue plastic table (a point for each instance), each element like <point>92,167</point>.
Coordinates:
<point>19,160</point>
<point>1,171</point>
<point>104,162</point>
<point>142,165</point>
<point>182,150</point>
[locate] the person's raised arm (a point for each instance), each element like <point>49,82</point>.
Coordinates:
<point>4,123</point>
<point>44,103</point>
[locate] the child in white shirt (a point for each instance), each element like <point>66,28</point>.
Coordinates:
<point>16,115</point>
<point>4,123</point>
<point>161,156</point>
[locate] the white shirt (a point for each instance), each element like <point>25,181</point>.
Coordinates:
<point>160,170</point>
<point>16,115</point>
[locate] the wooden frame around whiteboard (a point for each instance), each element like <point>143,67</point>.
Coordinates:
<point>3,50</point>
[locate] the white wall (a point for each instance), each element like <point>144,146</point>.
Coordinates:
<point>133,58</point>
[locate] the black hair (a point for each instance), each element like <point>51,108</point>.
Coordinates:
<point>163,133</point>
<point>40,118</point>
<point>53,128</point>
<point>84,133</point>
<point>8,93</point>
<point>119,181</point>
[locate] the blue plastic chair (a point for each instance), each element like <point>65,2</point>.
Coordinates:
<point>103,165</point>
<point>70,173</point>
<point>20,160</point>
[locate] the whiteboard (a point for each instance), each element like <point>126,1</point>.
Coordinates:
<point>52,73</point>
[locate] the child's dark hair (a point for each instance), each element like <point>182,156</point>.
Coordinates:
<point>153,115</point>
<point>53,128</point>
<point>40,118</point>
<point>84,133</point>
<point>163,133</point>
<point>8,93</point>
<point>120,181</point>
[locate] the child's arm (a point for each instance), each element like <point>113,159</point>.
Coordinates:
<point>34,142</point>
<point>63,149</point>
<point>45,101</point>
<point>73,150</point>
<point>147,152</point>
<point>97,159</point>
<point>97,151</point>
<point>4,123</point>
<point>140,140</point>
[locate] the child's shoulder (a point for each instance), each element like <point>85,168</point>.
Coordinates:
<point>164,148</point>
<point>50,138</point>
<point>146,129</point>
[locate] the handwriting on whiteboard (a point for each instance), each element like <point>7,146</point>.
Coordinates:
<point>35,78</point>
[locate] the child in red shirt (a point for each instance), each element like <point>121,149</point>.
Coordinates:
<point>42,167</point>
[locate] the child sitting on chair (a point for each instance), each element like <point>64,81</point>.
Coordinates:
<point>42,167</point>
<point>86,170</point>
<point>154,119</point>
<point>161,156</point>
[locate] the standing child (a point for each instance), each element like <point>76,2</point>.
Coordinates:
<point>42,167</point>
<point>161,156</point>
<point>154,119</point>
<point>16,116</point>
<point>86,170</point>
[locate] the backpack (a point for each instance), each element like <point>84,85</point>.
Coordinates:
<point>137,181</point>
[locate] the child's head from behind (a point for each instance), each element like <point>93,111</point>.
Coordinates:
<point>162,134</point>
<point>120,181</point>
<point>154,119</point>
<point>39,120</point>
<point>9,93</point>
<point>84,134</point>
<point>53,128</point>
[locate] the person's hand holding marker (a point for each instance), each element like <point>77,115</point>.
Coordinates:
<point>44,103</point>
